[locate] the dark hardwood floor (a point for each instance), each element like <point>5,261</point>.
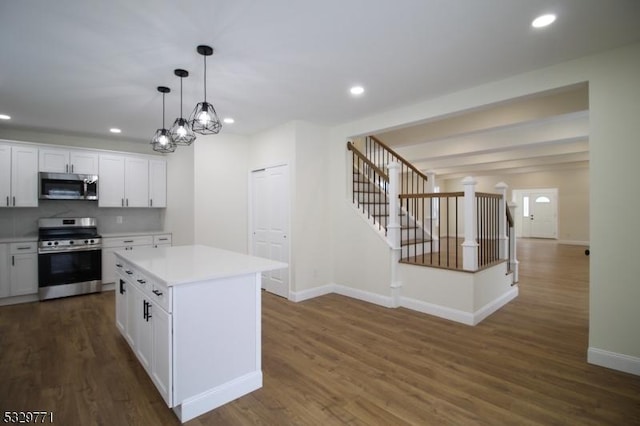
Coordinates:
<point>333,360</point>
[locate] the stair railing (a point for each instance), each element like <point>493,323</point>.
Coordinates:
<point>369,187</point>
<point>413,181</point>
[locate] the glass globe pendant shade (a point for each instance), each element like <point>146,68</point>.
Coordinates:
<point>181,132</point>
<point>205,120</point>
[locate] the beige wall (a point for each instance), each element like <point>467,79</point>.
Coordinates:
<point>573,196</point>
<point>614,90</point>
<point>220,191</point>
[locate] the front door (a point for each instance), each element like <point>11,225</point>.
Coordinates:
<point>270,223</point>
<point>538,212</point>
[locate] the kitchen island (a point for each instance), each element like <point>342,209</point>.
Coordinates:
<point>192,316</point>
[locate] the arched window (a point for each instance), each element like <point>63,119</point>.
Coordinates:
<point>543,199</point>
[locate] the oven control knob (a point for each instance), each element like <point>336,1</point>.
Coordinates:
<point>49,243</point>
<point>55,244</point>
<point>92,241</point>
<point>70,242</point>
<point>86,241</point>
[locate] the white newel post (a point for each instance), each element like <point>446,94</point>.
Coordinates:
<point>393,230</point>
<point>470,244</point>
<point>502,223</point>
<point>513,245</point>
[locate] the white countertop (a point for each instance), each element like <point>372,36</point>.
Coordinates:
<point>131,234</point>
<point>19,239</point>
<point>188,264</point>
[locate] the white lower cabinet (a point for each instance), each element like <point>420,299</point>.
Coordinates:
<point>129,243</point>
<point>18,269</point>
<point>143,319</point>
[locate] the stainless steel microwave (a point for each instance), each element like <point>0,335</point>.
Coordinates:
<point>66,186</point>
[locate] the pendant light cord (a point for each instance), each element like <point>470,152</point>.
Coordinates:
<point>205,78</point>
<point>181,97</point>
<point>163,111</point>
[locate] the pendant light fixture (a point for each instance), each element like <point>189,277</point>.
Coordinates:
<point>204,119</point>
<point>181,132</point>
<point>161,140</point>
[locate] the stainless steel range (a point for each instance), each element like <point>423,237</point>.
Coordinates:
<point>69,257</point>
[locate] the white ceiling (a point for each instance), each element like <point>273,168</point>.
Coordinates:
<point>83,66</point>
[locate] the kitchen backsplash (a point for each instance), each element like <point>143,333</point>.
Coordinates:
<point>23,222</point>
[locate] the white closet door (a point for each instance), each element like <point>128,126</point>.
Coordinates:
<point>270,223</point>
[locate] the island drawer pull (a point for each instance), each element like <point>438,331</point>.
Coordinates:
<point>129,272</point>
<point>127,241</point>
<point>157,292</point>
<point>119,265</point>
<point>142,281</point>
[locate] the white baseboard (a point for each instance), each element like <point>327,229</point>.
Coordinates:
<point>494,305</point>
<point>437,310</point>
<point>613,360</point>
<point>299,296</point>
<point>376,299</point>
<point>409,303</point>
<point>574,242</point>
<point>14,300</point>
<point>214,398</point>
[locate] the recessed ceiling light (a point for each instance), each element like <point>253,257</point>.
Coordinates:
<point>229,120</point>
<point>5,117</point>
<point>115,130</point>
<point>357,90</point>
<point>543,21</point>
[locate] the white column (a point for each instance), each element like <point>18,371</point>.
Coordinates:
<point>512,244</point>
<point>393,230</point>
<point>502,223</point>
<point>470,244</point>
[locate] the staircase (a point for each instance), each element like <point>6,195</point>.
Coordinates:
<point>372,198</point>
<point>428,227</point>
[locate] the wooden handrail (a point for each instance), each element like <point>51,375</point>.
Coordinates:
<point>488,195</point>
<point>432,195</point>
<point>408,164</point>
<point>509,217</point>
<point>368,162</point>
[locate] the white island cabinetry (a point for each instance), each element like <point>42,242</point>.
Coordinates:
<point>192,316</point>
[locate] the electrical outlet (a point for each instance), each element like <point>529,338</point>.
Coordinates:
<point>118,219</point>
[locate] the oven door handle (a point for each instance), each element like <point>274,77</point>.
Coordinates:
<point>67,250</point>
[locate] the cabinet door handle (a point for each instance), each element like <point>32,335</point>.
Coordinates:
<point>72,168</point>
<point>122,201</point>
<point>148,311</point>
<point>151,202</point>
<point>127,202</point>
<point>14,201</point>
<point>7,201</point>
<point>157,292</point>
<point>66,168</point>
<point>122,290</point>
<point>119,265</point>
<point>13,261</point>
<point>23,248</point>
<point>127,241</point>
<point>144,309</point>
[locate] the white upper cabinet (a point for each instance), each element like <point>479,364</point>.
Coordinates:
<point>123,181</point>
<point>56,160</point>
<point>18,176</point>
<point>5,175</point>
<point>111,181</point>
<point>136,179</point>
<point>157,183</point>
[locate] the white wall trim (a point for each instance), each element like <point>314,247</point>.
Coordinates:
<point>437,310</point>
<point>367,296</point>
<point>494,305</point>
<point>574,242</point>
<point>299,296</point>
<point>409,303</point>
<point>613,360</point>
